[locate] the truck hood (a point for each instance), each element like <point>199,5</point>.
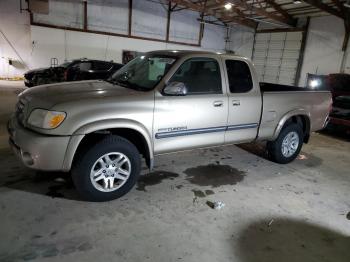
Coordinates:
<point>46,96</point>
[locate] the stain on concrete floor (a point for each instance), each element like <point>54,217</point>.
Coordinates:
<point>312,242</point>
<point>214,175</point>
<point>200,193</point>
<point>154,178</point>
<point>308,160</point>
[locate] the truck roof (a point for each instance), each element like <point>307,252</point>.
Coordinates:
<point>180,53</point>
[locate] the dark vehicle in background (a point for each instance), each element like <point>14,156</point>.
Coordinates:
<point>75,70</point>
<point>339,85</point>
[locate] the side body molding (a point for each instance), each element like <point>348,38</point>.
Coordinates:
<point>288,115</point>
<point>80,133</point>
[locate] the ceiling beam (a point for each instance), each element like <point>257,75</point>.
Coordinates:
<point>324,7</point>
<point>198,8</point>
<point>279,9</point>
<point>340,6</point>
<point>263,12</point>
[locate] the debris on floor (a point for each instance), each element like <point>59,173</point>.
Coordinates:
<point>214,175</point>
<point>154,178</point>
<point>302,157</point>
<point>216,205</point>
<point>270,223</point>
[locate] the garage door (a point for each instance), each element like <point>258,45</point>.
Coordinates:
<point>276,56</point>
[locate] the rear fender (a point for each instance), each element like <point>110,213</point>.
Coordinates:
<point>289,115</point>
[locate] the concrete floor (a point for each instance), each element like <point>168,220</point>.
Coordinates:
<point>296,212</point>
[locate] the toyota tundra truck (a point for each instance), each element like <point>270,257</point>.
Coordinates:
<point>160,102</point>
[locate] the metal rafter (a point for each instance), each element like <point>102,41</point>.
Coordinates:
<point>207,11</point>
<point>324,7</point>
<point>340,6</point>
<point>263,12</point>
<point>279,9</point>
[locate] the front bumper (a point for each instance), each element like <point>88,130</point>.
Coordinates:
<point>37,151</point>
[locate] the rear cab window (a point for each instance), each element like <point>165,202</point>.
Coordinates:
<point>239,76</point>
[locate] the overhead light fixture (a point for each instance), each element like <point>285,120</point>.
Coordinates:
<point>228,6</point>
<point>297,2</point>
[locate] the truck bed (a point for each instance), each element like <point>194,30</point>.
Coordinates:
<point>279,100</point>
<point>270,87</point>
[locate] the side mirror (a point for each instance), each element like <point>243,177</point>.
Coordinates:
<point>175,89</point>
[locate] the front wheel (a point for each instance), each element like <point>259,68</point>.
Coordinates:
<point>108,170</point>
<point>287,145</point>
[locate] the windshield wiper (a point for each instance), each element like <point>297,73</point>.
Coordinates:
<point>126,84</point>
<point>115,82</point>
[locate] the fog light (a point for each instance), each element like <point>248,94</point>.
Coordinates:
<point>27,159</point>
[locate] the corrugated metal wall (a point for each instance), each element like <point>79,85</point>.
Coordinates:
<point>276,56</point>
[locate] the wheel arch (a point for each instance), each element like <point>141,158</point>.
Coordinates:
<point>91,133</point>
<point>299,116</point>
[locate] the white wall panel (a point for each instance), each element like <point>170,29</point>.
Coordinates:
<point>63,13</point>
<point>241,41</point>
<point>184,27</point>
<point>323,53</point>
<point>149,19</point>
<point>48,43</point>
<point>15,26</point>
<point>108,15</point>
<point>214,38</point>
<point>277,56</point>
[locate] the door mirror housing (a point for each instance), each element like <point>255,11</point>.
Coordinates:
<point>175,89</point>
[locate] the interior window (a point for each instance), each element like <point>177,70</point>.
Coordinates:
<point>200,75</point>
<point>101,65</point>
<point>85,66</point>
<point>239,77</point>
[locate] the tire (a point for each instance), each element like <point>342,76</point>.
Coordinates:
<point>275,148</point>
<point>94,184</point>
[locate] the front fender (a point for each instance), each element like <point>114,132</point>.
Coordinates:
<point>80,132</point>
<point>284,119</point>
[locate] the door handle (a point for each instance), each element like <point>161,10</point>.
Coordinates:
<point>236,102</point>
<point>218,103</point>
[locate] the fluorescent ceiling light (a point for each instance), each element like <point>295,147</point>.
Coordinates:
<point>228,6</point>
<point>297,2</point>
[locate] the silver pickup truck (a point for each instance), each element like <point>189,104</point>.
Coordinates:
<point>161,102</point>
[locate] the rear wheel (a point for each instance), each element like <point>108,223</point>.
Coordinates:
<point>108,170</point>
<point>287,145</point>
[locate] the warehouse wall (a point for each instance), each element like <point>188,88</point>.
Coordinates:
<point>69,45</point>
<point>15,27</point>
<point>38,44</point>
<point>323,54</point>
<point>241,41</point>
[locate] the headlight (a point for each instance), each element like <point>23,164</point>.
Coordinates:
<point>46,119</point>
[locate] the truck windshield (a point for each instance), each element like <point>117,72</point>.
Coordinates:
<point>143,72</point>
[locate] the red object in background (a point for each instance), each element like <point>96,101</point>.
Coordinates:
<point>65,76</point>
<point>339,84</point>
<point>339,121</point>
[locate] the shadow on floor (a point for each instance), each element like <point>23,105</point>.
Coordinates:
<point>303,160</point>
<point>258,149</point>
<point>54,185</point>
<point>338,132</point>
<point>14,175</point>
<point>291,241</point>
